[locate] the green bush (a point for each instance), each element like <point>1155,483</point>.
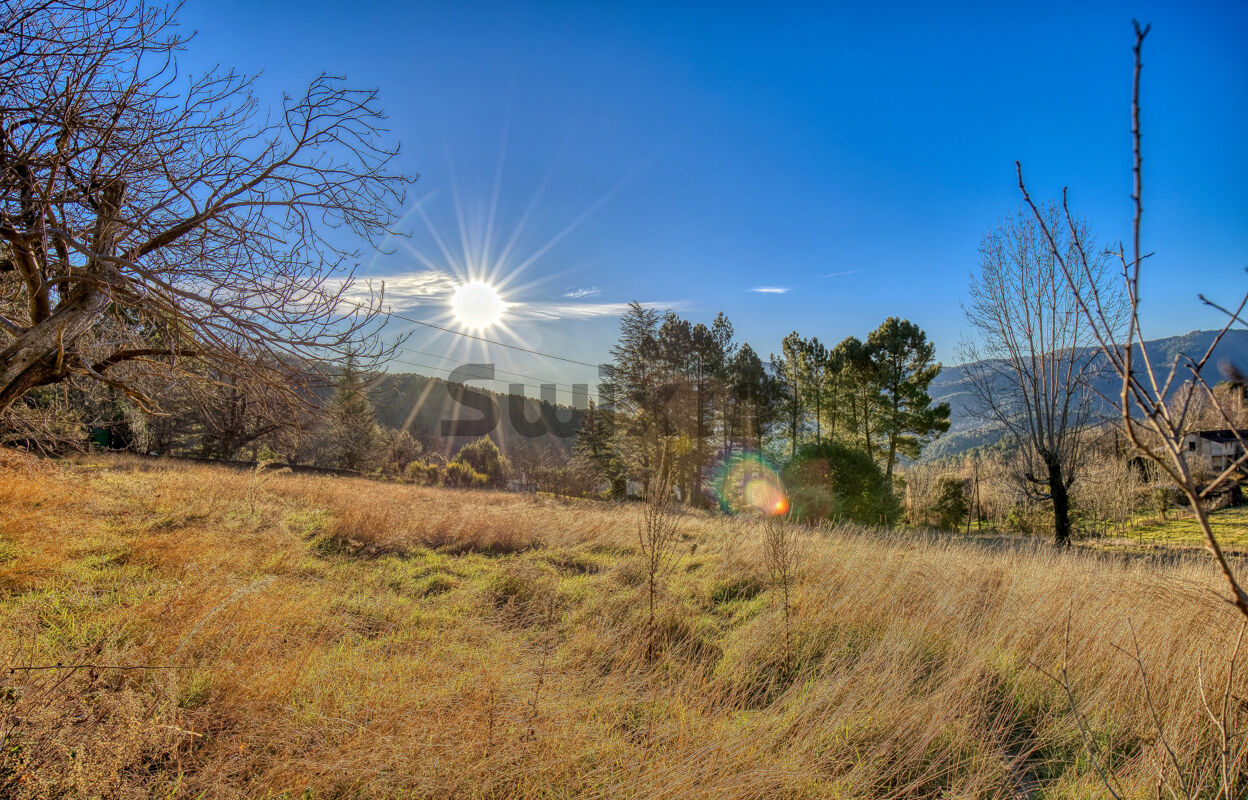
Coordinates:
<point>1028,518</point>
<point>484,457</point>
<point>949,507</point>
<point>462,476</point>
<point>836,482</point>
<point>423,473</point>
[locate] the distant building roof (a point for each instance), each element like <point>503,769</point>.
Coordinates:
<point>1222,435</point>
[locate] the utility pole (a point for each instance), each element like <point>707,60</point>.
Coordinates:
<point>973,511</point>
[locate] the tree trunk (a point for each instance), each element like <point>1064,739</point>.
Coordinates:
<point>694,497</point>
<point>793,434</point>
<point>893,433</point>
<point>866,426</point>
<point>39,373</point>
<point>818,415</point>
<point>1061,501</point>
<point>37,357</point>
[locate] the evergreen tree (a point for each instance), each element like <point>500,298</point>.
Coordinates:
<point>352,434</point>
<point>705,365</point>
<point>834,387</point>
<point>721,333</point>
<point>787,368</point>
<point>632,391</point>
<point>814,373</point>
<point>949,506</point>
<point>837,482</point>
<point>679,415</point>
<point>755,397</point>
<point>595,446</point>
<point>904,366</point>
<point>859,388</point>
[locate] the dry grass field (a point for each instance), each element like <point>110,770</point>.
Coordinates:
<point>310,637</point>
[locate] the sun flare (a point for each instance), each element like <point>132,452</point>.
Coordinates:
<point>477,305</point>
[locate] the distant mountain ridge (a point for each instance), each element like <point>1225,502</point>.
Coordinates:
<point>421,404</point>
<point>966,431</point>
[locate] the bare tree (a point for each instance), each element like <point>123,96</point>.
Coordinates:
<point>1156,423</point>
<point>1031,367</point>
<point>149,217</point>
<point>656,539</point>
<point>1158,403</point>
<point>228,411</point>
<point>780,552</point>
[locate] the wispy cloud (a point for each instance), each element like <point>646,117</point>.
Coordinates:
<point>402,291</point>
<point>432,287</point>
<point>843,273</point>
<point>770,290</point>
<point>558,311</point>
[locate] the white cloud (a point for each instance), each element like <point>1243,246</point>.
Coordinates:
<point>411,290</point>
<point>558,311</point>
<point>841,274</point>
<point>403,291</point>
<point>770,290</point>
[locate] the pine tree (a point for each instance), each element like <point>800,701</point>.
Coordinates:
<point>904,365</point>
<point>632,392</point>
<point>835,386</point>
<point>705,365</point>
<point>721,333</point>
<point>755,397</point>
<point>352,431</point>
<point>680,400</point>
<point>814,373</point>
<point>595,445</point>
<point>859,388</point>
<point>787,368</point>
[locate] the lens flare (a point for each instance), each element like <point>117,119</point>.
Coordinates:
<point>746,484</point>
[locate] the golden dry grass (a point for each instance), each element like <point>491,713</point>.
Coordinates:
<point>361,640</point>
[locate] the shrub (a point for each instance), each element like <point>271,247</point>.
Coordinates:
<point>949,507</point>
<point>462,476</point>
<point>400,451</point>
<point>423,473</point>
<point>484,457</point>
<point>836,482</point>
<point>1028,518</point>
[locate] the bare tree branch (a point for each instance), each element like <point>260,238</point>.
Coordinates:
<point>147,214</point>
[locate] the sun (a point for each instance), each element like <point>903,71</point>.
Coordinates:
<point>477,305</point>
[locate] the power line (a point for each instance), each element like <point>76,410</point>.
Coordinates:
<point>405,348</point>
<point>472,377</point>
<point>450,371</point>
<point>395,315</point>
<point>414,321</point>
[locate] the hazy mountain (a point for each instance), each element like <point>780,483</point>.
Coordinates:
<point>421,404</point>
<point>966,431</point>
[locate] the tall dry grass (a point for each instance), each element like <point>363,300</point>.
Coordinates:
<point>354,639</point>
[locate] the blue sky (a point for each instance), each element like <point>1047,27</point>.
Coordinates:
<point>687,154</point>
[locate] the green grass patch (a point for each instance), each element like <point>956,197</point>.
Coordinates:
<point>736,588</point>
<point>1230,525</point>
